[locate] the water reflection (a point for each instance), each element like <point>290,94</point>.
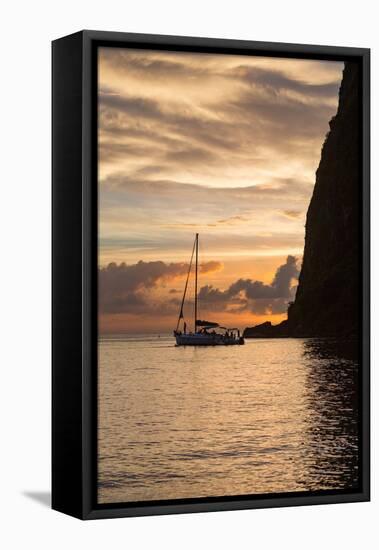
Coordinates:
<point>332,348</point>
<point>331,387</point>
<point>272,416</point>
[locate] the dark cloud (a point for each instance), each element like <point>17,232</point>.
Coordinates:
<point>189,129</point>
<point>155,65</point>
<point>278,121</point>
<point>133,106</point>
<point>149,65</point>
<point>126,289</point>
<point>110,151</point>
<point>277,82</point>
<point>123,287</point>
<point>255,295</point>
<point>258,113</point>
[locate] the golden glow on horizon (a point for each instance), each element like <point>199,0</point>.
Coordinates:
<point>226,146</point>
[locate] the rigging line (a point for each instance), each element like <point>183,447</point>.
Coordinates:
<point>200,249</point>
<point>197,261</point>
<point>185,288</point>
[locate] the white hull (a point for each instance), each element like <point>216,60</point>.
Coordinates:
<point>202,337</point>
<point>207,340</point>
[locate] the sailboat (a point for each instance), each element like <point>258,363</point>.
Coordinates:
<point>205,333</point>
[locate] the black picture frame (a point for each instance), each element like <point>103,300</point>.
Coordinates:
<point>74,273</point>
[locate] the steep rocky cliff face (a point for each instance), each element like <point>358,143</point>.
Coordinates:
<point>327,301</point>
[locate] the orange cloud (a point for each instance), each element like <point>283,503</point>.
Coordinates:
<point>291,214</point>
<point>122,287</point>
<point>211,267</point>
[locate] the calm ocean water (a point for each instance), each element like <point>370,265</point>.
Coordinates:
<point>270,416</point>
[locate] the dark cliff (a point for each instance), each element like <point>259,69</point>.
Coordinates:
<point>327,301</point>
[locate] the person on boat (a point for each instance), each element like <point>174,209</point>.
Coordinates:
<point>185,327</point>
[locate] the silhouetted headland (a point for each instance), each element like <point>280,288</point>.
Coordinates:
<point>327,298</point>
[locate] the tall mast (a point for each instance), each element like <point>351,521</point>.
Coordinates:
<point>197,260</point>
<point>181,315</point>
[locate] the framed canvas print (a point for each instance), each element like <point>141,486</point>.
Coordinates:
<point>210,274</point>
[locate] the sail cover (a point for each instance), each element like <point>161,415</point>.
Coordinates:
<point>211,324</point>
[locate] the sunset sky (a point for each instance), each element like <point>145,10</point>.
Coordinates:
<point>223,145</point>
